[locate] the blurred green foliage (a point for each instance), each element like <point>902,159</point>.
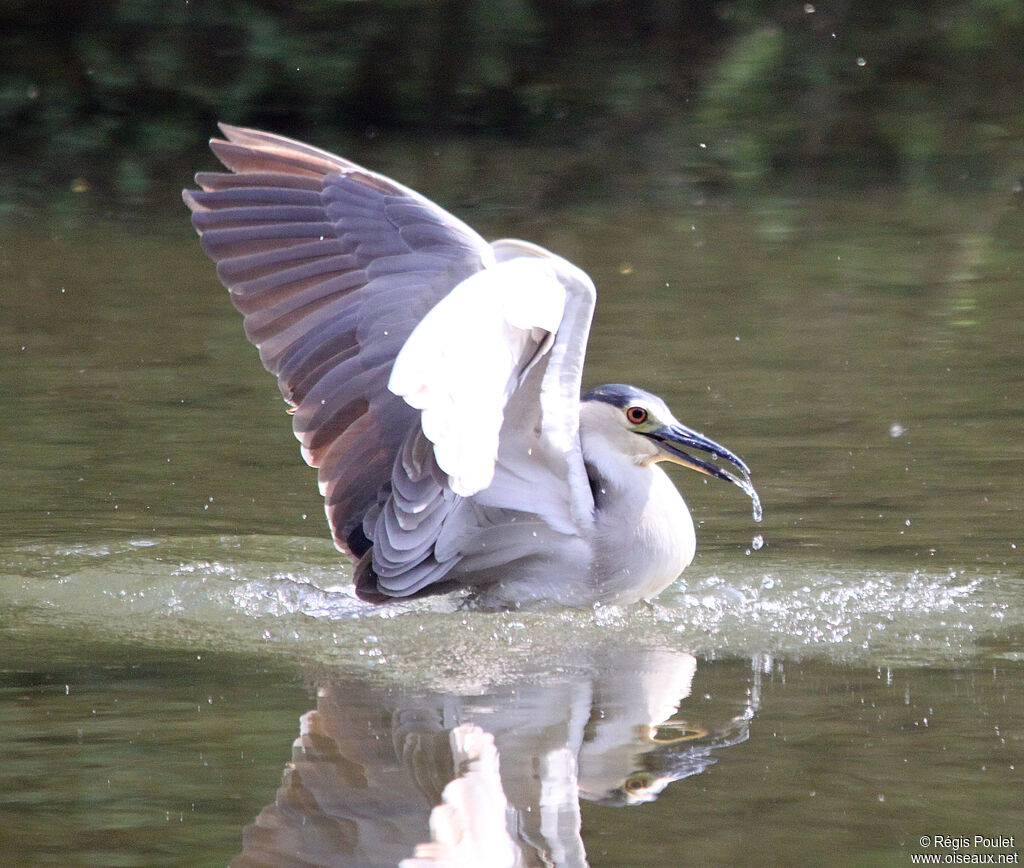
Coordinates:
<point>115,95</point>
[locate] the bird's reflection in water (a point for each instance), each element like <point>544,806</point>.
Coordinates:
<point>386,776</point>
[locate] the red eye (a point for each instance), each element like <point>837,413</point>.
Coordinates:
<point>636,415</point>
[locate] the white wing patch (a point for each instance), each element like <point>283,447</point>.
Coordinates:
<point>465,357</point>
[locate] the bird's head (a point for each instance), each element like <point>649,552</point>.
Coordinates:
<point>629,423</point>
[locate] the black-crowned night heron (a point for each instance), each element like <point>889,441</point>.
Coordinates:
<point>435,384</point>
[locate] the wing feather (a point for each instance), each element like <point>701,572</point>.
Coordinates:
<point>422,365</point>
<point>466,356</point>
<point>332,267</point>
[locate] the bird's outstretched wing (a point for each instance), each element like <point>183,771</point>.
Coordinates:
<point>338,271</point>
<point>494,369</point>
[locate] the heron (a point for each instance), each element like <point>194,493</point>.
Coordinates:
<point>435,380</point>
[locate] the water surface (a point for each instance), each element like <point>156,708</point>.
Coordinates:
<point>170,604</point>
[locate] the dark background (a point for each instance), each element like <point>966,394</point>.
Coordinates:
<point>109,101</point>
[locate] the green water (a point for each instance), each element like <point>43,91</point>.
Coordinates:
<point>170,604</point>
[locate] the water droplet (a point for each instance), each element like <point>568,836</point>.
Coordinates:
<point>809,8</point>
<point>749,490</point>
<point>757,542</point>
<point>861,61</point>
<point>896,430</point>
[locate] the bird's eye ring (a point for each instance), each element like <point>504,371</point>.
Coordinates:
<point>636,415</point>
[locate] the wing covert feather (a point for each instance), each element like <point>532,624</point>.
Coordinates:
<point>466,356</point>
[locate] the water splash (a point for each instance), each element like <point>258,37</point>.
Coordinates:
<point>295,596</point>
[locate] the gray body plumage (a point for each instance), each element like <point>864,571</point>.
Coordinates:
<point>452,449</point>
